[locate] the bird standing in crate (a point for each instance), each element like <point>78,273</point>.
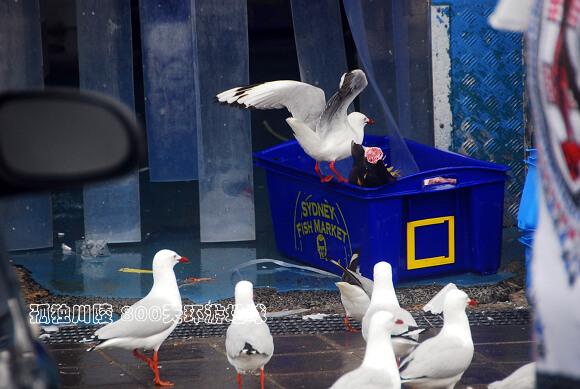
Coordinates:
<point>323,129</point>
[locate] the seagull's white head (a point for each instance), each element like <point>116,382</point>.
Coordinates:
<point>456,301</point>
<point>382,322</point>
<point>379,353</point>
<point>244,292</point>
<point>358,120</point>
<point>166,259</point>
<point>383,274</point>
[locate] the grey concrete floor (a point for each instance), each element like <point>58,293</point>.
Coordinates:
<point>299,361</point>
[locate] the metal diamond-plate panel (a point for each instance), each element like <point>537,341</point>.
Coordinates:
<point>487,92</point>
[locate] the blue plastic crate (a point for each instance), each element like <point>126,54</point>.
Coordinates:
<point>423,231</point>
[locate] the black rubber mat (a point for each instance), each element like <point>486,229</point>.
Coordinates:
<point>289,325</point>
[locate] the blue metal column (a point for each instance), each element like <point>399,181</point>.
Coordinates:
<point>111,208</point>
<point>170,112</point>
<point>25,221</point>
<point>226,189</point>
<point>319,43</point>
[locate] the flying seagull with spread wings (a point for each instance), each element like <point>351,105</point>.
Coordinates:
<point>325,130</point>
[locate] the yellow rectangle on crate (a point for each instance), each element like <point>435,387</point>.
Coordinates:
<point>419,263</point>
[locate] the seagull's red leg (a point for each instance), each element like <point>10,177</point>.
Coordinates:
<point>144,358</point>
<point>347,325</point>
<point>262,378</point>
<point>322,178</point>
<point>338,175</point>
<point>239,381</point>
<point>158,381</point>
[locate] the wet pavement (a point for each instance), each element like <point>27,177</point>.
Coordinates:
<point>299,361</point>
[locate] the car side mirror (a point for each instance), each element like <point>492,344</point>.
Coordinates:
<point>61,137</point>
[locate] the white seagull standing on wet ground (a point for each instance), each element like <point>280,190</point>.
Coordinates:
<point>379,367</point>
<point>440,362</point>
<point>324,129</point>
<point>148,322</point>
<point>355,291</point>
<point>405,334</point>
<point>249,344</point>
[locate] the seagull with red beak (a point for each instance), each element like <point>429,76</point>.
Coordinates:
<point>147,323</point>
<point>440,362</point>
<point>324,129</point>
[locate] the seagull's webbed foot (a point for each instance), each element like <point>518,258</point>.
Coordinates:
<point>348,326</point>
<point>319,173</point>
<point>159,382</point>
<point>338,175</point>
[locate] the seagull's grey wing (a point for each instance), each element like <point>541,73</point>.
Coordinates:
<point>335,112</point>
<point>435,305</point>
<point>354,272</point>
<point>256,335</point>
<point>305,102</point>
<point>367,284</point>
<point>436,358</point>
<point>354,278</point>
<point>363,378</point>
<point>148,316</point>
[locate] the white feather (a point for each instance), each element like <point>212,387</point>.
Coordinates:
<point>148,322</point>
<point>248,328</point>
<point>324,130</point>
<point>354,300</point>
<point>440,362</point>
<point>379,367</point>
<point>385,299</point>
<point>522,378</point>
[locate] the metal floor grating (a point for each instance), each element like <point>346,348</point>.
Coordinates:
<point>291,325</point>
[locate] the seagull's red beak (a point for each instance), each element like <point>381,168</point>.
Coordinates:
<point>183,260</point>
<point>472,303</point>
<point>370,121</point>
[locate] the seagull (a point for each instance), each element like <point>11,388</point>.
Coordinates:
<point>522,378</point>
<point>323,129</point>
<point>249,344</point>
<point>355,291</point>
<point>439,362</point>
<point>405,333</point>
<point>379,367</point>
<point>355,302</point>
<point>148,322</point>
